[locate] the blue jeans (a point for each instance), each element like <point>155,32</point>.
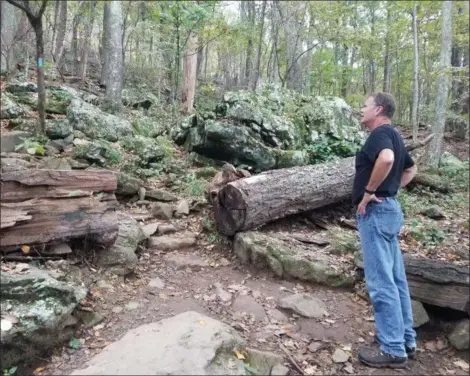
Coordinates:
<point>385,275</point>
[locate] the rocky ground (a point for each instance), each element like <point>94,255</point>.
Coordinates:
<point>169,260</point>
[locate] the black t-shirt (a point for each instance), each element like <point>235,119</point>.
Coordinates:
<point>382,137</point>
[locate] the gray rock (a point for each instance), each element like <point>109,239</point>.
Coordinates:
<point>182,208</point>
<point>304,304</point>
<point>9,109</point>
<point>166,228</point>
<point>161,210</point>
<point>131,306</point>
<point>44,305</point>
<point>10,140</point>
<point>150,229</point>
<point>141,192</point>
<point>173,242</point>
<point>53,163</point>
<point>275,314</point>
<point>181,261</point>
<point>222,294</point>
<point>245,303</point>
<point>292,259</point>
<point>339,356</point>
<point>420,316</point>
<point>95,123</point>
<point>78,164</point>
<point>120,258</point>
<point>60,249</point>
<point>15,164</point>
<point>50,150</point>
<point>279,370</point>
<point>89,319</point>
<point>186,344</point>
<point>127,185</point>
<point>22,87</point>
<point>433,212</point>
<point>58,128</point>
<point>156,283</point>
<point>263,361</point>
<point>160,195</point>
<point>459,336</point>
<point>315,346</point>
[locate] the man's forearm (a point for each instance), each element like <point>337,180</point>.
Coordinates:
<point>379,173</point>
<point>408,176</point>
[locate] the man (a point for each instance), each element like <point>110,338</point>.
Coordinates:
<point>383,165</point>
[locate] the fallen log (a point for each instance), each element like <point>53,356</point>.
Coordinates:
<point>439,283</point>
<point>47,206</point>
<point>251,202</point>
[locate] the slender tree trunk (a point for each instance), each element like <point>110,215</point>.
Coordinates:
<point>115,62</point>
<point>37,25</point>
<point>188,86</point>
<point>260,46</point>
<point>386,83</point>
<point>435,147</point>
<point>105,46</point>
<point>206,58</point>
<point>60,33</point>
<point>86,41</point>
<point>414,110</point>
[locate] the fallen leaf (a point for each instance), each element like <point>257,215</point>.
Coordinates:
<point>239,355</point>
<point>39,369</point>
<point>462,364</point>
<point>25,249</point>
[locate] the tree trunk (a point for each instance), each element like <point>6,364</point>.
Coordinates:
<point>188,85</point>
<point>248,203</point>
<point>38,30</point>
<point>86,41</point>
<point>249,50</point>
<point>414,109</point>
<point>60,32</point>
<point>435,148</point>
<point>105,45</point>
<point>386,83</point>
<point>47,206</point>
<point>260,46</point>
<point>115,69</point>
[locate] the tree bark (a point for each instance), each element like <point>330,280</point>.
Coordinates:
<point>60,32</point>
<point>435,147</point>
<point>260,46</point>
<point>414,109</point>
<point>188,85</point>
<point>386,83</point>
<point>46,206</point>
<point>105,45</point>
<point>248,203</point>
<point>86,40</point>
<point>114,81</point>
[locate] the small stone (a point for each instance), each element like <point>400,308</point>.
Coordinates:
<point>166,228</point>
<point>156,283</point>
<point>223,295</point>
<point>256,294</point>
<point>132,305</point>
<point>224,262</point>
<point>315,346</point>
<point>150,229</point>
<point>89,319</point>
<point>304,304</point>
<point>279,370</point>
<point>60,249</point>
<point>433,212</point>
<point>172,242</point>
<point>349,368</point>
<point>420,316</point>
<point>102,284</point>
<point>245,303</point>
<point>182,208</point>
<point>141,192</point>
<point>459,336</point>
<point>117,309</point>
<point>161,210</point>
<point>277,315</point>
<point>339,356</point>
<point>160,195</point>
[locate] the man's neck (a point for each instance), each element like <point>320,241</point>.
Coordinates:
<point>378,122</point>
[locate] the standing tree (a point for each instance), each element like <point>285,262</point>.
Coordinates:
<point>435,147</point>
<point>188,84</point>
<point>35,19</point>
<point>414,108</point>
<point>114,59</point>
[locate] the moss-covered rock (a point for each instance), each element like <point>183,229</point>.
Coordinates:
<point>58,128</point>
<point>149,150</point>
<point>39,308</point>
<point>291,259</point>
<point>98,152</point>
<point>9,108</point>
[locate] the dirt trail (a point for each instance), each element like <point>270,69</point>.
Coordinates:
<point>159,289</point>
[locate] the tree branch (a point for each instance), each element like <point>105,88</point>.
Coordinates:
<point>43,8</point>
<point>22,7</point>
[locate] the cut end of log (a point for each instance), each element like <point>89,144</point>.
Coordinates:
<point>231,210</point>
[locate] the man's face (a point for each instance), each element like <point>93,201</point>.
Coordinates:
<point>369,112</point>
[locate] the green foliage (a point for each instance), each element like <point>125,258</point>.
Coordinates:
<point>33,145</point>
<point>427,233</point>
<point>10,371</point>
<point>195,187</point>
<point>328,148</point>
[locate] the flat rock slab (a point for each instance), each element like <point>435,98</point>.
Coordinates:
<point>186,344</point>
<point>247,304</point>
<point>10,140</point>
<point>289,258</point>
<point>173,242</point>
<point>180,261</point>
<point>304,304</point>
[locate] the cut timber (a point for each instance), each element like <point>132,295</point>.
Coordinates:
<point>251,202</point>
<point>438,283</point>
<point>44,206</point>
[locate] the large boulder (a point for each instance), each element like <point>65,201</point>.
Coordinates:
<point>289,258</point>
<point>186,344</point>
<point>95,123</point>
<point>120,258</point>
<point>9,108</point>
<point>274,129</point>
<point>36,313</point>
<point>149,150</point>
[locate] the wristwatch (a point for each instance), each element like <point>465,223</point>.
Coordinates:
<point>369,192</point>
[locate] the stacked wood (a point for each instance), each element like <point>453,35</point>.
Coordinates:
<point>41,207</point>
<point>439,283</point>
<point>251,202</point>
